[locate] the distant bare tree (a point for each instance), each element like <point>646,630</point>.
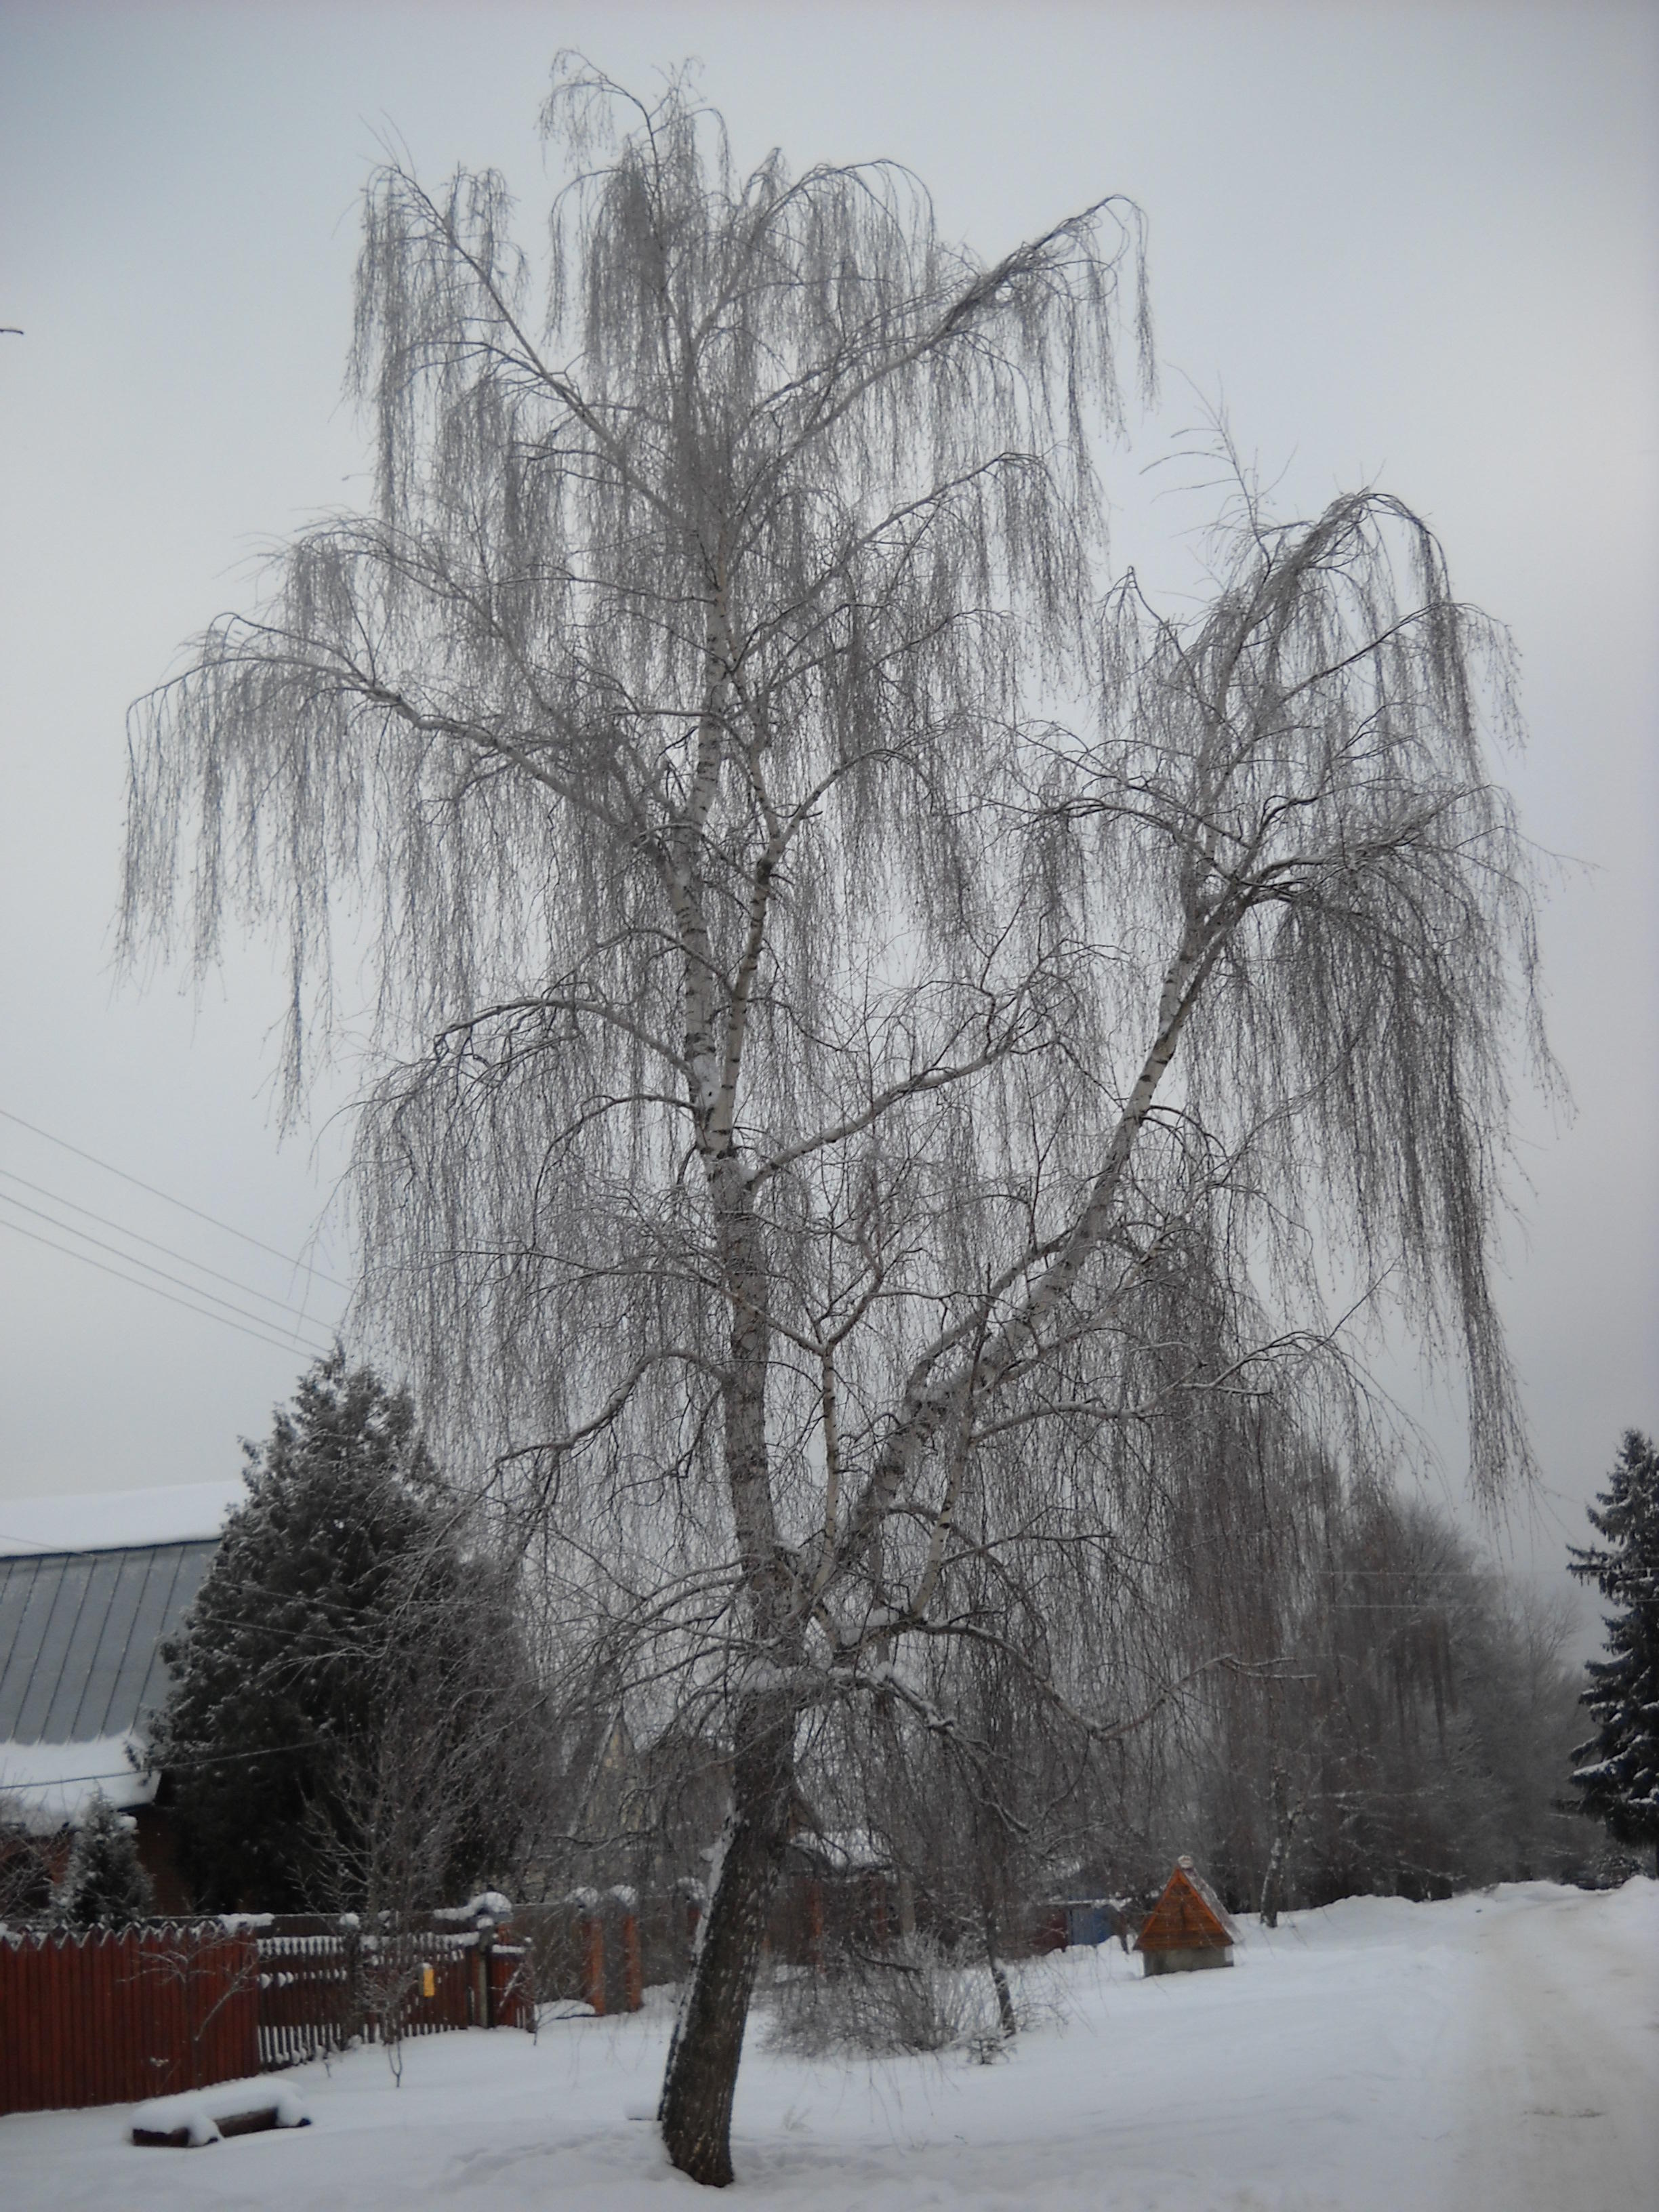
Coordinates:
<point>1407,1735</point>
<point>870,1041</point>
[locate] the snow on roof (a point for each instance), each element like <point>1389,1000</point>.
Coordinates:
<point>81,1667</point>
<point>47,1786</point>
<point>1188,1916</point>
<point>110,1520</point>
<point>844,1850</point>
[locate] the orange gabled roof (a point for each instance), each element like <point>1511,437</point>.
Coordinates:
<point>1188,1916</point>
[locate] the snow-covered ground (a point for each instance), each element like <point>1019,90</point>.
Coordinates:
<point>1497,2053</point>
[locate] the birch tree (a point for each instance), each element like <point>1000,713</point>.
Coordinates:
<point>870,1025</point>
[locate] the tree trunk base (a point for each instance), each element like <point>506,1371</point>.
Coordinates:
<point>701,2078</point>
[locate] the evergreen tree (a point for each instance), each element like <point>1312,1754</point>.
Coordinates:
<point>104,1885</point>
<point>1616,1771</point>
<point>353,1717</point>
<point>27,1887</point>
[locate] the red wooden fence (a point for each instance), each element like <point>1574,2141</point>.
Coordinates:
<point>307,1983</point>
<point>325,1982</point>
<point>99,2018</point>
<point>105,2018</point>
<point>595,1950</point>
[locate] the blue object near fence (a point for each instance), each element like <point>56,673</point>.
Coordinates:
<point>1089,1920</point>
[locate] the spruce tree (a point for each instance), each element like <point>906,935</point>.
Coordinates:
<point>353,1713</point>
<point>104,1885</point>
<point>1616,1771</point>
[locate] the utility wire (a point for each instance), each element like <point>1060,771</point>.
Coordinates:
<point>202,1313</point>
<point>266,1297</point>
<point>148,1266</point>
<point>213,1220</point>
<point>171,1766</point>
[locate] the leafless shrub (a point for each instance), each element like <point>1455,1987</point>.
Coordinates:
<point>911,1996</point>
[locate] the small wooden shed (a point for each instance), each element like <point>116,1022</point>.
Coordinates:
<point>1188,1927</point>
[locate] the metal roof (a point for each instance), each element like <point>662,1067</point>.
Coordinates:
<point>80,1634</point>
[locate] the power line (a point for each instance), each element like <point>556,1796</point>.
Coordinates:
<point>148,1265</point>
<point>171,1766</point>
<point>167,1196</point>
<point>202,1313</point>
<point>104,1220</point>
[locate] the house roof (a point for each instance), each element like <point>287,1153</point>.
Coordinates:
<point>117,1519</point>
<point>79,1632</point>
<point>81,1670</point>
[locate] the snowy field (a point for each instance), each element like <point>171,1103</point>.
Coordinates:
<point>1498,2053</point>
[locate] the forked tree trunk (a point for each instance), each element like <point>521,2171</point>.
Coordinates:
<point>696,2111</point>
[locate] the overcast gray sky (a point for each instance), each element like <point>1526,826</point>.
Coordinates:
<point>1408,246</point>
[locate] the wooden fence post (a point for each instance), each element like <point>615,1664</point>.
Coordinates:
<point>633,1965</point>
<point>484,2007</point>
<point>593,1943</point>
<point>353,1996</point>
